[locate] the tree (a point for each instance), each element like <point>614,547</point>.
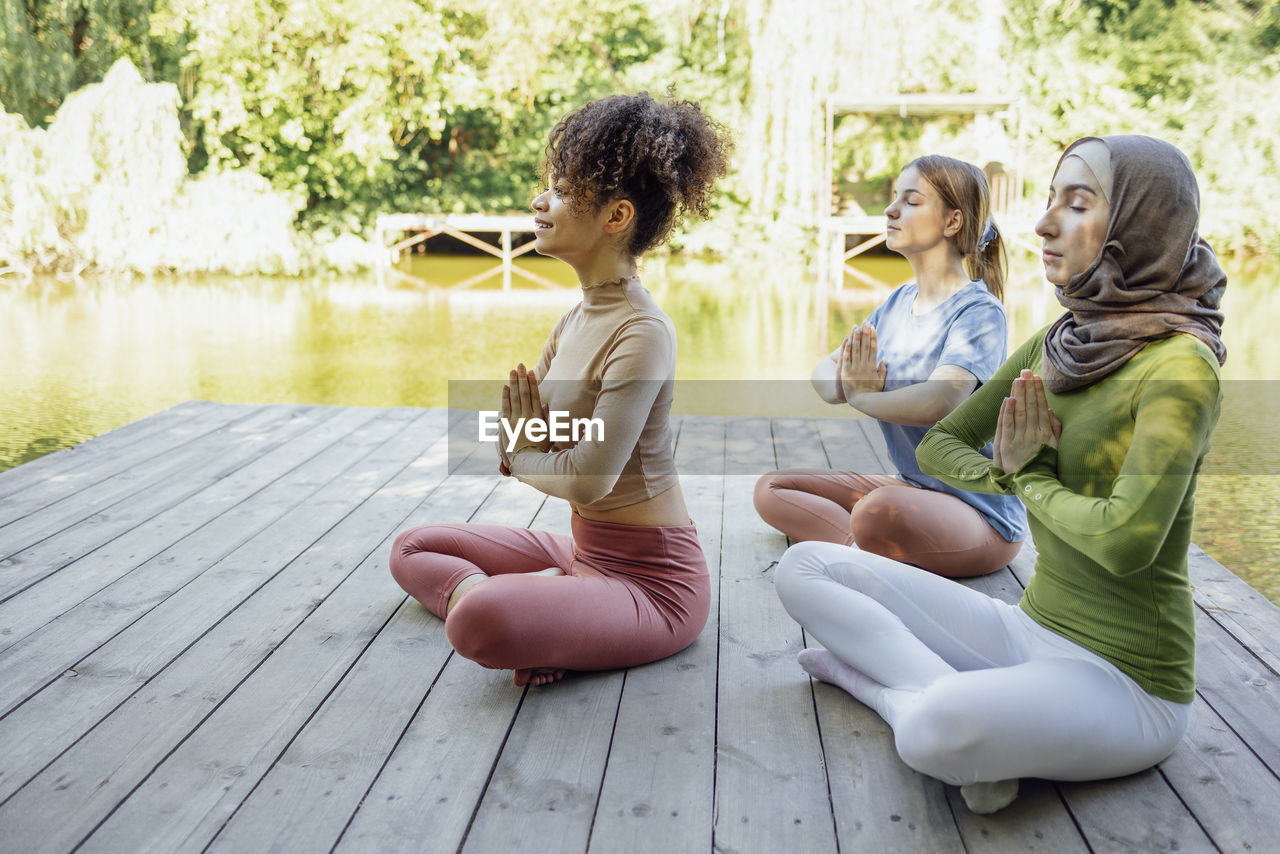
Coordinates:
<point>50,48</point>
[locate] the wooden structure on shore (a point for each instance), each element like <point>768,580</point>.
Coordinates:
<point>201,649</point>
<point>834,229</point>
<point>409,230</point>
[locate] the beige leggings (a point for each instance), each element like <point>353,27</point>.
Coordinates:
<point>883,515</point>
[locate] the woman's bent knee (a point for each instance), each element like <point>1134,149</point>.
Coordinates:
<point>944,742</point>
<point>877,522</point>
<point>763,496</point>
<point>399,554</point>
<point>485,628</point>
<point>798,567</point>
<point>805,568</point>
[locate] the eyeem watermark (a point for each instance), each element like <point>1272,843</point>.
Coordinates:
<point>558,427</point>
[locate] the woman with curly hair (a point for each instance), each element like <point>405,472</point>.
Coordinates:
<point>630,585</point>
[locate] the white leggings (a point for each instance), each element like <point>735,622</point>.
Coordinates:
<point>974,689</point>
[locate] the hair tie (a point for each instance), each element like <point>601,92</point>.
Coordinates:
<point>989,233</point>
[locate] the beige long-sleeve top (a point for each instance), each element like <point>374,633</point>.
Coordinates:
<point>612,357</point>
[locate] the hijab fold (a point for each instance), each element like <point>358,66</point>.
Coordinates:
<point>1154,278</point>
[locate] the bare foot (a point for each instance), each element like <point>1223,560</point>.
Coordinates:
<point>464,586</point>
<point>536,675</point>
<point>461,589</point>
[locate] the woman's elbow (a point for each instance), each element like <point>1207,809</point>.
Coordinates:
<point>590,488</point>
<point>827,389</point>
<point>946,398</point>
<point>1129,555</point>
<point>827,395</point>
<point>926,451</point>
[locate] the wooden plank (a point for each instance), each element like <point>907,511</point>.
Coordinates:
<point>175,623</point>
<point>237,756</point>
<point>703,448</point>
<point>124,446</point>
<point>1244,692</point>
<point>847,447</point>
<point>290,755</point>
<point>1231,792</point>
<point>86,782</point>
<point>104,582</point>
<point>32,664</point>
<point>1036,821</point>
<point>1135,813</point>
<point>429,787</point>
<point>542,795</point>
<point>1024,565</point>
<point>100,513</point>
<point>875,439</point>
<point>660,778</point>
<point>771,786</point>
<point>425,795</point>
<point>457,734</point>
<point>748,447</point>
<point>1249,616</point>
<point>797,444</point>
<point>102,481</point>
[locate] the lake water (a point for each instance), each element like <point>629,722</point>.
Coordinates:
<point>79,358</point>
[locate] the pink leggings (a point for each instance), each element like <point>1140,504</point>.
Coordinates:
<point>883,515</point>
<point>629,595</point>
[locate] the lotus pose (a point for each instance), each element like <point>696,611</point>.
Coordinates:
<point>1100,424</point>
<point>630,585</point>
<point>916,358</point>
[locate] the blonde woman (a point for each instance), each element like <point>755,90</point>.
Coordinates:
<point>916,358</point>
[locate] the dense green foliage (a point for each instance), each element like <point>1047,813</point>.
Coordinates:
<point>348,108</point>
<point>1203,76</point>
<point>51,48</point>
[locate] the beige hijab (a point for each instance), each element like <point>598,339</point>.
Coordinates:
<point>1155,276</point>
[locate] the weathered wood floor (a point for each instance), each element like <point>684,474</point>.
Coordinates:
<point>201,649</point>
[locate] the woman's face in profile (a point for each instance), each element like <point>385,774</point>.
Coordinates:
<point>1074,224</point>
<point>916,219</point>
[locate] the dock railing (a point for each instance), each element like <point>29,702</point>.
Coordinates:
<point>412,229</point>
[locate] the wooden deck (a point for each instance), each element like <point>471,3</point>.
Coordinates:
<point>201,649</point>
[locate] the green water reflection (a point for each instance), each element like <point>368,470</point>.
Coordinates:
<point>80,358</point>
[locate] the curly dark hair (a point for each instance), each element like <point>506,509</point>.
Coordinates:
<point>663,158</point>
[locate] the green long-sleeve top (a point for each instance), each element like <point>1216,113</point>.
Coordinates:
<point>1111,508</point>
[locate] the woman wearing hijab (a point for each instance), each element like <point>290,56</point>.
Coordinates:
<point>1100,424</point>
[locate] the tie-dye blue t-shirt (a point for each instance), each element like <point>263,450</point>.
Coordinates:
<point>967,330</point>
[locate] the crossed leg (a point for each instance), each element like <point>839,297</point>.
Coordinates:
<point>975,691</point>
<point>539,610</point>
<point>882,514</point>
